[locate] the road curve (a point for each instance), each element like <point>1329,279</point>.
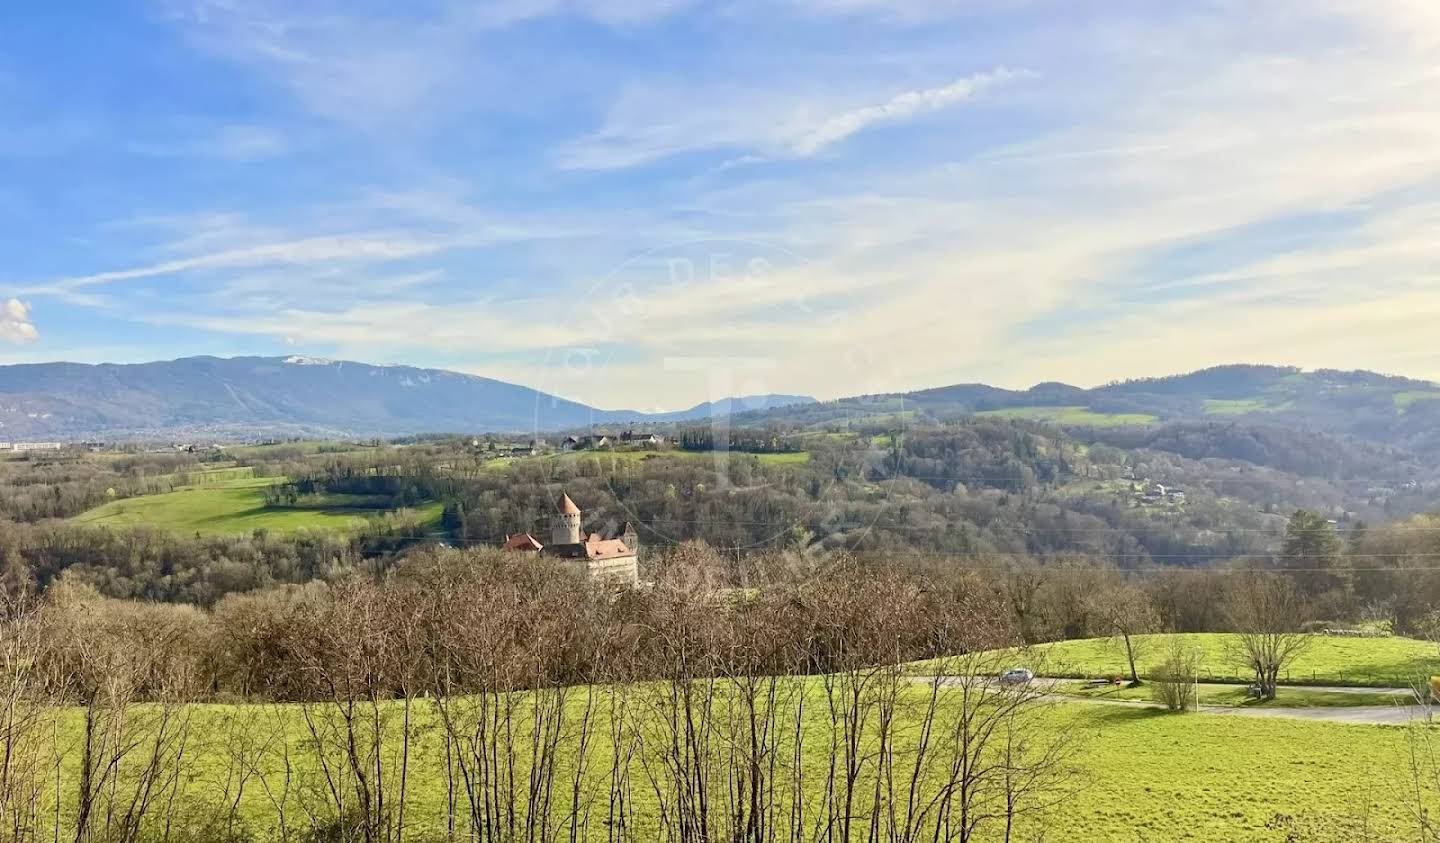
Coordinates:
<point>1364,715</point>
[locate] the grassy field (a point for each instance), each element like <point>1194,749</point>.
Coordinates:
<point>1382,662</point>
<point>613,457</point>
<point>1404,400</point>
<point>1143,775</point>
<point>235,505</point>
<point>1234,407</point>
<point>1071,415</point>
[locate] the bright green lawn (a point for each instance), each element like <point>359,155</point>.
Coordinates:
<point>1072,415</point>
<point>233,506</point>
<point>1329,660</point>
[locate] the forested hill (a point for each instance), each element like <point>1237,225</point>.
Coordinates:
<point>311,397</point>
<point>1379,408</point>
<point>294,396</point>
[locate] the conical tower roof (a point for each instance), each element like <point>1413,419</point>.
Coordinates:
<point>567,506</point>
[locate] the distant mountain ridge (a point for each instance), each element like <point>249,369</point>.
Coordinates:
<point>301,396</point>
<point>316,397</point>
<point>1381,408</point>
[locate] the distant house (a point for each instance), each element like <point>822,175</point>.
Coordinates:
<point>594,443</point>
<point>598,558</point>
<point>569,443</point>
<point>646,440</point>
<point>35,446</point>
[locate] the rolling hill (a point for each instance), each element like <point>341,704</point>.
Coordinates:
<point>1378,408</point>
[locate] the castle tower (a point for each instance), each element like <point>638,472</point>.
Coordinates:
<point>567,522</point>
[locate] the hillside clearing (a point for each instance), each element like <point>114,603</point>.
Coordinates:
<point>1071,415</point>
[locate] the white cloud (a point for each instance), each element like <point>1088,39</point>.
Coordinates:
<point>898,108</point>
<point>15,324</point>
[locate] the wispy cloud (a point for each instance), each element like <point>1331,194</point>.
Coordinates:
<point>361,248</point>
<point>650,125</point>
<point>385,66</point>
<point>900,107</point>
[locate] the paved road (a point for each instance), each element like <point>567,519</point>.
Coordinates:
<point>1371,715</point>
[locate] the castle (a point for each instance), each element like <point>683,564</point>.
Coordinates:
<point>598,558</point>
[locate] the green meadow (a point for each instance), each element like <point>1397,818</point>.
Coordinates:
<point>1136,774</point>
<point>610,458</point>
<point>236,504</point>
<point>1405,400</point>
<point>1329,660</point>
<point>1071,415</point>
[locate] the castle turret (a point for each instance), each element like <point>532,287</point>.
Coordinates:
<point>567,522</point>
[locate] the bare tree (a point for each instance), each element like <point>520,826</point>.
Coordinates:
<point>1267,613</point>
<point>1125,613</point>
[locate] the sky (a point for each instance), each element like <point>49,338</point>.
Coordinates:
<point>651,203</point>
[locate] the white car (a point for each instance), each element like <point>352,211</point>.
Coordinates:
<point>1016,676</point>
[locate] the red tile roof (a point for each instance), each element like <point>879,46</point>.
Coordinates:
<point>523,541</point>
<point>567,506</point>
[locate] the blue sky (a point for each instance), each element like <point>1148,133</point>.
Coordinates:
<point>649,203</point>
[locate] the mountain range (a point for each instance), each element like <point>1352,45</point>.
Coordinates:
<point>304,396</point>
<point>293,396</point>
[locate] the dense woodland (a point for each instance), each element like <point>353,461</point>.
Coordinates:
<point>999,497</point>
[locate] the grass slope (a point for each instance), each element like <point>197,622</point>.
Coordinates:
<point>1376,662</point>
<point>1072,415</point>
<point>233,506</point>
<point>1143,775</point>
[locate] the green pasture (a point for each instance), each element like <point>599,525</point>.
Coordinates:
<point>1404,400</point>
<point>1137,774</point>
<point>615,457</point>
<point>1235,406</point>
<point>237,505</point>
<point>1328,660</point>
<point>1071,415</point>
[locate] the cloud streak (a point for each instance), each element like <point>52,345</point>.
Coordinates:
<point>652,125</point>
<point>901,107</point>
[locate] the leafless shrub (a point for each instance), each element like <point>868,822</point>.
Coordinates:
<point>1173,684</point>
